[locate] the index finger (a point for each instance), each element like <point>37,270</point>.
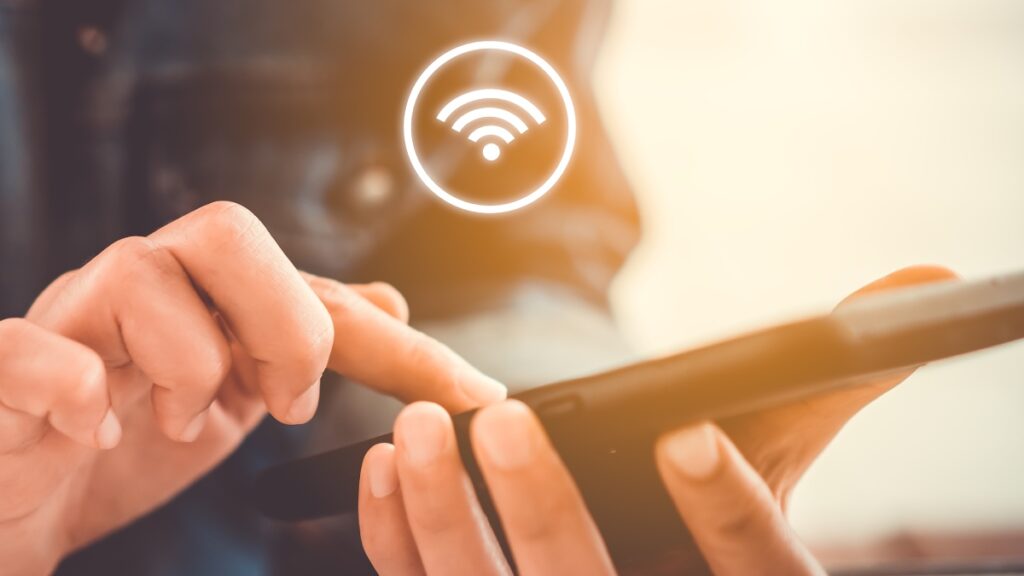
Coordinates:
<point>382,352</point>
<point>269,308</point>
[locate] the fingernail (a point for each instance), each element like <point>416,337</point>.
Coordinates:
<point>304,407</point>
<point>422,432</point>
<point>507,435</point>
<point>483,389</point>
<point>194,427</point>
<point>382,473</point>
<point>694,451</point>
<point>108,433</point>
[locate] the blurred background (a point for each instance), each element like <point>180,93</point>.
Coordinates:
<point>786,152</point>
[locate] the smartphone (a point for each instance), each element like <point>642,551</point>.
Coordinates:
<point>604,426</point>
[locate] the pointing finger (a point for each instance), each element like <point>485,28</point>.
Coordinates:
<point>378,349</point>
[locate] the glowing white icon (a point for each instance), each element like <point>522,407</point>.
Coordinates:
<point>492,124</point>
<point>490,131</point>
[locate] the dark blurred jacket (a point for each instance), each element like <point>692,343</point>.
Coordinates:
<point>117,116</point>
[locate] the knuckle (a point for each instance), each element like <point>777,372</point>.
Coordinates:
<point>305,345</point>
<point>48,296</point>
<point>227,223</point>
<point>86,381</point>
<point>218,368</point>
<point>12,332</point>
<point>320,333</point>
<point>64,278</point>
<point>308,352</point>
<point>13,329</point>
<point>57,285</point>
<point>92,373</point>
<point>131,249</point>
<point>128,255</point>
<point>209,366</point>
<point>212,370</point>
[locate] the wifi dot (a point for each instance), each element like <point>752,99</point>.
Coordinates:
<point>491,152</point>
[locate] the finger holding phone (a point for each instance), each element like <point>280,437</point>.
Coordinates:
<point>729,481</point>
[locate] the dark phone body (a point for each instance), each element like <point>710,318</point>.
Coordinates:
<point>605,426</point>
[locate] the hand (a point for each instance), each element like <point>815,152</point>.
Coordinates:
<point>418,512</point>
<point>419,515</point>
<point>133,376</point>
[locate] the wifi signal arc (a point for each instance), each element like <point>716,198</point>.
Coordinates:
<point>491,94</point>
<point>488,112</point>
<point>492,130</point>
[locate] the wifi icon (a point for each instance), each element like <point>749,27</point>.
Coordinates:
<point>491,123</point>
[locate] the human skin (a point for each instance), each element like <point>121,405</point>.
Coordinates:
<point>131,377</point>
<point>729,481</point>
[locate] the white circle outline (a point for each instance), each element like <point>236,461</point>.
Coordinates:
<point>410,146</point>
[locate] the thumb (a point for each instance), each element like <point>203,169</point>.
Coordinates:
<point>909,276</point>
<point>732,515</point>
